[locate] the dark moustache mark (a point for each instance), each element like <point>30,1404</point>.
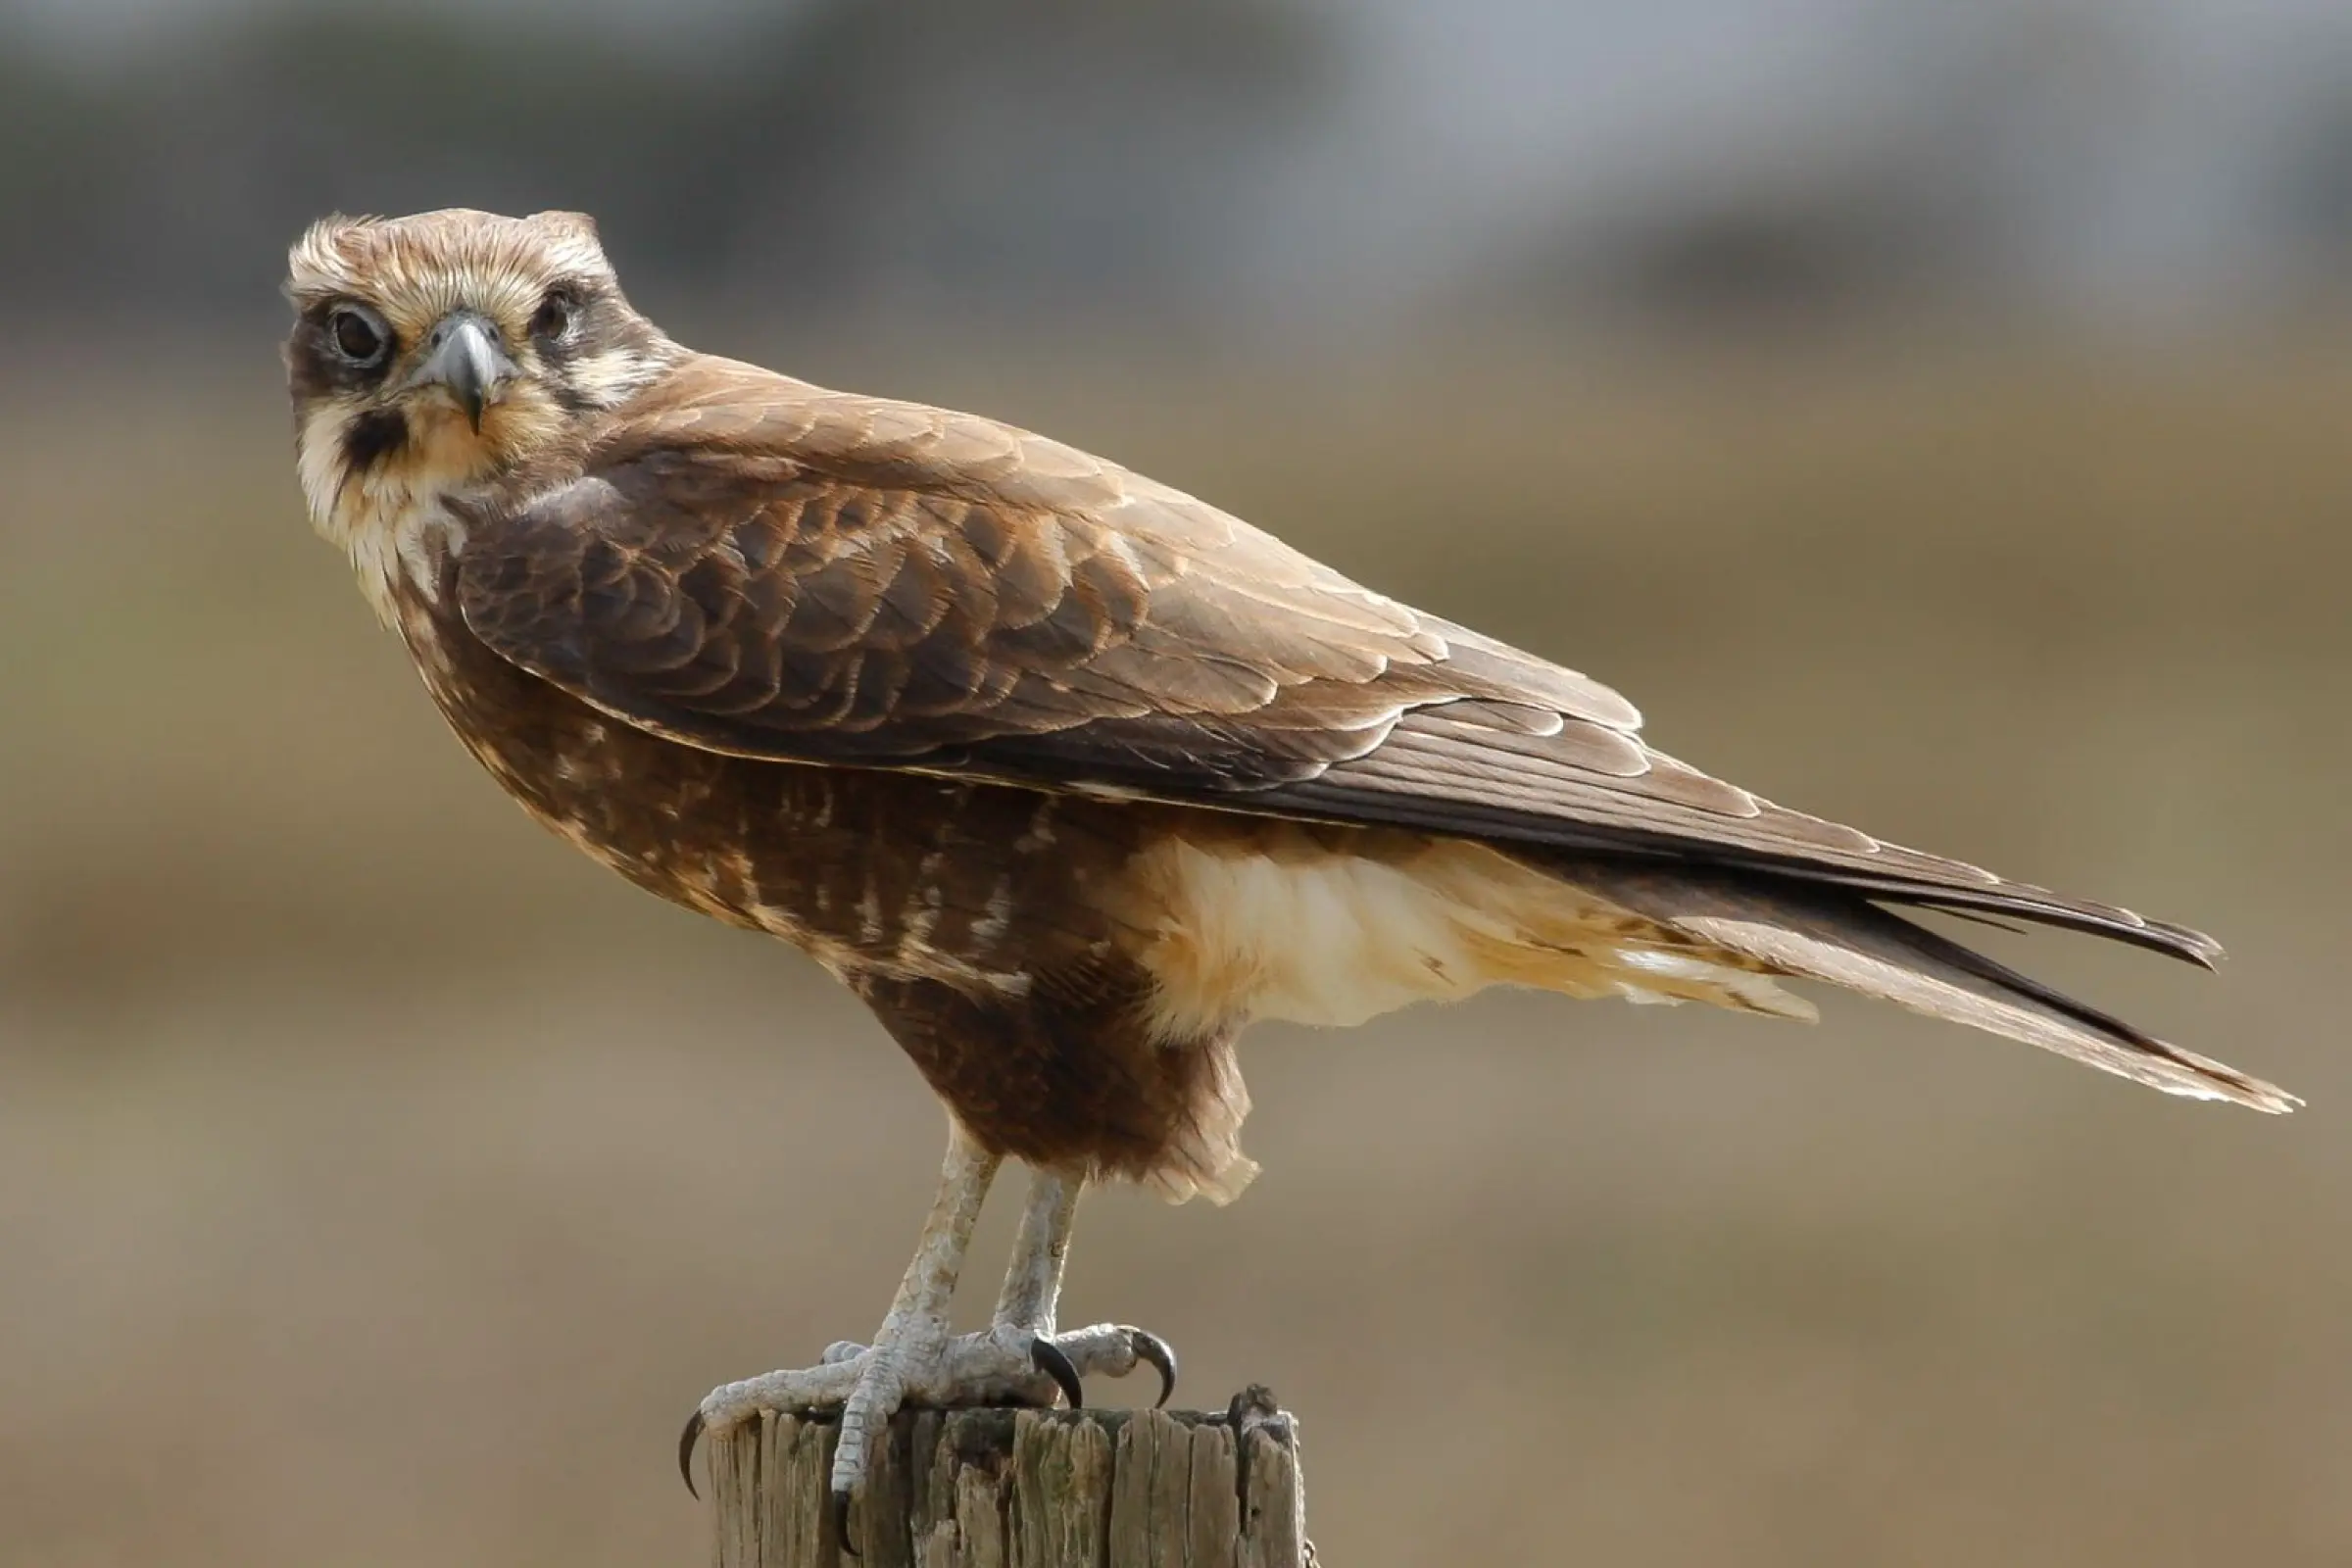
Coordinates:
<point>372,439</point>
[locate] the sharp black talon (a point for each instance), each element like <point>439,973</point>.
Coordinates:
<point>841,1524</point>
<point>1151,1349</point>
<point>694,1430</point>
<point>1049,1358</point>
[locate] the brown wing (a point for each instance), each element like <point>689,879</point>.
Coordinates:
<point>755,566</point>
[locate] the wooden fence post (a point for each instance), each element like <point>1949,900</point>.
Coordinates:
<point>1023,1489</point>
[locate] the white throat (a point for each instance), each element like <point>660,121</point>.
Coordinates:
<point>392,521</point>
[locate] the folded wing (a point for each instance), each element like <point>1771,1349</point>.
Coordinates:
<point>757,566</point>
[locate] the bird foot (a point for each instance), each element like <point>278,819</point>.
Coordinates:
<point>1111,1349</point>
<point>1005,1364</point>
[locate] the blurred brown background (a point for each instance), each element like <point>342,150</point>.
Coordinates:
<point>1933,417</point>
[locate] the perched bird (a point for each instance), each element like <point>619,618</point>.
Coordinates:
<point>1067,774</point>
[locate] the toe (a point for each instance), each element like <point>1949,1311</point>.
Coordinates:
<point>1113,1348</point>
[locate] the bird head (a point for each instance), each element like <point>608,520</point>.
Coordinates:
<point>435,352</point>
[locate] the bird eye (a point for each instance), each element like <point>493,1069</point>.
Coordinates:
<point>356,335</point>
<point>553,319</point>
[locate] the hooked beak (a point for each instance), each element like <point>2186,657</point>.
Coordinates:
<point>462,354</point>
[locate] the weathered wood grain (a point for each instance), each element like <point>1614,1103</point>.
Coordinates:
<point>1022,1489</point>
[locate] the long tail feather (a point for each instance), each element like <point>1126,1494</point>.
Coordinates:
<point>1818,934</point>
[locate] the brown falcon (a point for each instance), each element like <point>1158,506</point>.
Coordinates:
<point>1067,774</point>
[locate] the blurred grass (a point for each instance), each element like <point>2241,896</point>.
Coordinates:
<point>379,1182</point>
